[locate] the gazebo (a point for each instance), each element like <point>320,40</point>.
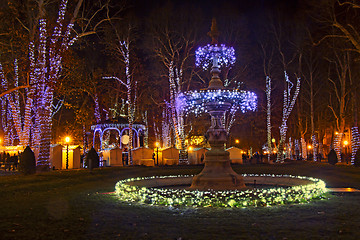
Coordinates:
<point>114,132</point>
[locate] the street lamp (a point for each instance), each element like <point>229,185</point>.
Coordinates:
<point>309,154</point>
<point>237,141</point>
<point>274,142</point>
<point>67,140</point>
<point>346,143</point>
<point>157,144</point>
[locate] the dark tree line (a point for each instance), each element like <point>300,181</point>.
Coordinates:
<point>317,41</point>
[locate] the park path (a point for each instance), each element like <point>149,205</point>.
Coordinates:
<point>7,173</point>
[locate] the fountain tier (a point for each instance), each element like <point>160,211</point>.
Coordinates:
<point>216,100</point>
<point>217,173</point>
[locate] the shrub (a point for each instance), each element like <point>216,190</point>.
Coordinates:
<point>332,157</point>
<point>27,163</point>
<point>92,159</point>
<point>357,159</point>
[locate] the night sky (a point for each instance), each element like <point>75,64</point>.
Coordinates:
<point>242,24</point>
<point>255,29</point>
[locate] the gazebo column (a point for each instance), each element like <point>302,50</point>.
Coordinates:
<point>138,139</point>
<point>101,140</point>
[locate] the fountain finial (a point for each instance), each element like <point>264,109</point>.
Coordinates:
<point>214,32</point>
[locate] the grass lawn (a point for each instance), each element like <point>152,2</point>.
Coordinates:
<point>72,205</point>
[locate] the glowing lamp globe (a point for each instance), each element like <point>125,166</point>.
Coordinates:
<point>125,139</point>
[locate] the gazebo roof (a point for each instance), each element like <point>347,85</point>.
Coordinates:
<point>118,122</point>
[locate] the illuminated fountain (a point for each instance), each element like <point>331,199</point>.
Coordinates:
<point>216,100</point>
<point>218,185</point>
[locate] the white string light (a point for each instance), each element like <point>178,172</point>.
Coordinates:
<point>315,189</point>
<point>205,55</point>
<point>355,143</point>
<point>195,101</point>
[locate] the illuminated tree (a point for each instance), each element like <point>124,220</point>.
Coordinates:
<point>280,52</point>
<point>48,42</point>
<point>130,85</point>
<point>16,121</point>
<point>173,38</point>
<point>45,57</point>
<point>288,104</point>
<point>122,50</point>
<point>268,116</point>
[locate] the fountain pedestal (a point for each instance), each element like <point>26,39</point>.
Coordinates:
<point>217,173</point>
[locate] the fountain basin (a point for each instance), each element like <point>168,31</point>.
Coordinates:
<point>154,191</point>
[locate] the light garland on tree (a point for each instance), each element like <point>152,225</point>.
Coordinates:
<point>315,145</point>
<point>47,69</point>
<point>337,145</point>
<point>287,108</point>
<point>177,114</point>
<point>221,199</point>
<point>146,130</point>
<point>33,124</point>
<point>166,127</point>
<point>225,56</point>
<point>43,96</point>
<point>11,119</point>
<point>14,108</point>
<point>303,149</point>
<point>268,116</point>
<point>232,113</point>
<point>131,90</point>
<point>10,133</point>
<point>4,120</point>
<point>355,143</point>
<point>297,149</point>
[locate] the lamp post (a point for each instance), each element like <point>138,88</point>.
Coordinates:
<point>67,140</point>
<point>309,148</point>
<point>274,142</point>
<point>346,143</point>
<point>157,144</point>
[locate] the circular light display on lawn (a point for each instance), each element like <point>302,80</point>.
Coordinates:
<point>127,191</point>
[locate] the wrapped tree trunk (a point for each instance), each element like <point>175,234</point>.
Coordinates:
<point>287,108</point>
